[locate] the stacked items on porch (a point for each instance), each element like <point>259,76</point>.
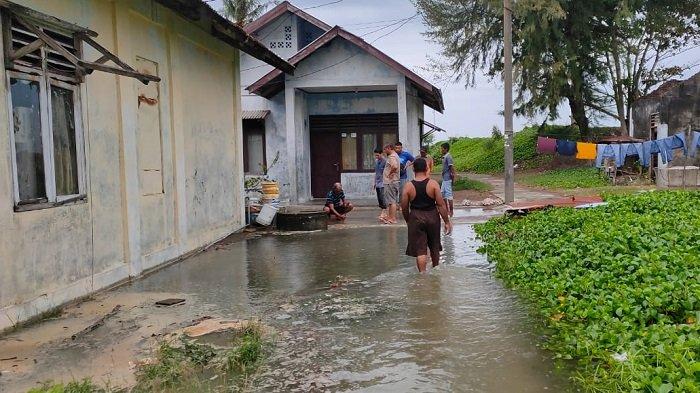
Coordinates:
<point>617,152</point>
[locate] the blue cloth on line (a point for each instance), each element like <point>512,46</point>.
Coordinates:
<point>566,148</point>
<point>694,144</point>
<point>632,149</point>
<point>609,151</point>
<point>652,147</point>
<point>668,145</point>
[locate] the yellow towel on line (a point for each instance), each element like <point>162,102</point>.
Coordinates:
<point>586,151</point>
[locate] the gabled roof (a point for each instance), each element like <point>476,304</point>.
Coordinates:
<point>279,10</point>
<point>273,82</point>
<point>203,16</point>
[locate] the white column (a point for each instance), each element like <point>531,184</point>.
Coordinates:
<point>130,172</point>
<point>291,164</point>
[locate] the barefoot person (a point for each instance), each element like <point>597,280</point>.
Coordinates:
<point>448,177</point>
<point>379,164</point>
<point>422,205</point>
<point>336,205</point>
<point>391,183</point>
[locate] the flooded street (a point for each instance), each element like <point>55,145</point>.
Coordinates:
<point>349,315</point>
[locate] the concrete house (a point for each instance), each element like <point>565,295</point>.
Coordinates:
<point>345,99</point>
<point>119,145</point>
<point>672,108</point>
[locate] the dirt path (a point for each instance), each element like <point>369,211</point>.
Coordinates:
<point>522,193</point>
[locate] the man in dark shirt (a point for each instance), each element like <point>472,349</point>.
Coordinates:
<point>336,205</point>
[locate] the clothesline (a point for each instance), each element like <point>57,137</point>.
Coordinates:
<point>619,151</point>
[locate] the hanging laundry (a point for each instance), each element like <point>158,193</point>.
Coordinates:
<point>633,149</point>
<point>546,145</point>
<point>566,148</point>
<point>675,142</point>
<point>608,151</point>
<point>586,151</point>
<point>652,147</point>
<point>694,144</point>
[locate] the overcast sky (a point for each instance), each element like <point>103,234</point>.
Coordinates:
<point>469,111</point>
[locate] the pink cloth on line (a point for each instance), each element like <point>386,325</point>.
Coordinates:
<point>546,145</point>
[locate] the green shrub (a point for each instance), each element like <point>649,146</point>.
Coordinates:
<point>618,287</point>
<point>566,178</point>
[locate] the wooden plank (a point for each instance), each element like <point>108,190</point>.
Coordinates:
<point>7,37</point>
<point>27,49</point>
<point>145,78</point>
<point>49,41</point>
<point>105,53</point>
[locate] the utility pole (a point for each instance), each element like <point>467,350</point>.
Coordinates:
<point>508,100</point>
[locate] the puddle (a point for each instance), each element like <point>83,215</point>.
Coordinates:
<point>349,311</point>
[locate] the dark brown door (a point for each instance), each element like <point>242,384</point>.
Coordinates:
<point>325,162</point>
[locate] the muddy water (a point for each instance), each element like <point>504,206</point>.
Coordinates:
<point>382,328</point>
<point>385,328</point>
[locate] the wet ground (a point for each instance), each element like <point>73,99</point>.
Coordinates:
<point>382,327</point>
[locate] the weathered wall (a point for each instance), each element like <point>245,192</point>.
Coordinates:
<point>51,256</point>
<point>678,106</point>
<point>358,71</point>
<point>351,103</point>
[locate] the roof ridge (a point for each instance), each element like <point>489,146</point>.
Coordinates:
<point>278,11</point>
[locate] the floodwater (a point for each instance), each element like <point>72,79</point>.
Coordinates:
<point>384,327</point>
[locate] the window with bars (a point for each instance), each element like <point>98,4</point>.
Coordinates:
<point>44,66</point>
<point>46,128</point>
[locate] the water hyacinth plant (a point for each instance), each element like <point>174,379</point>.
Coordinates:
<point>617,286</point>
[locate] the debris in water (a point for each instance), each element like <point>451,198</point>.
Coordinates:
<point>213,325</point>
<point>169,302</point>
<point>98,323</point>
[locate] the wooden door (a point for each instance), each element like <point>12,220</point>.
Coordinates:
<point>325,162</point>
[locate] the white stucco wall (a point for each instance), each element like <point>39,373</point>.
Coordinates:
<point>51,256</point>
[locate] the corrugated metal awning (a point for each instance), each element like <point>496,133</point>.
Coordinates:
<point>255,115</point>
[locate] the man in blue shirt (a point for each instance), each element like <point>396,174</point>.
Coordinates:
<point>405,159</point>
<point>336,205</point>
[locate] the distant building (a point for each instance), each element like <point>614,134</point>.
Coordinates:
<point>672,108</point>
<point>108,170</point>
<point>345,99</point>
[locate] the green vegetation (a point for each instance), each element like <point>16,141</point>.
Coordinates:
<point>191,366</point>
<point>565,178</point>
<point>618,287</point>
<point>84,386</point>
<point>188,366</point>
<point>485,155</point>
<point>464,183</point>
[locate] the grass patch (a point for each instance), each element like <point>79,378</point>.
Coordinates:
<point>184,365</point>
<point>568,178</point>
<point>617,286</point>
<point>470,184</point>
<point>84,386</point>
<point>190,366</point>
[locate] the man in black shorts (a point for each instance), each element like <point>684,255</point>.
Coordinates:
<point>422,205</point>
<point>336,205</point>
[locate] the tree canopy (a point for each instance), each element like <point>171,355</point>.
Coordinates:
<point>565,49</point>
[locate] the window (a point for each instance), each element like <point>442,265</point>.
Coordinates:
<point>46,133</point>
<point>358,149</point>
<point>349,150</point>
<point>254,160</point>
